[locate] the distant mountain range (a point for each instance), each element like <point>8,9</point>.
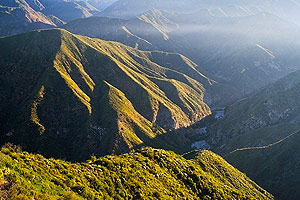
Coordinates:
<point>241,54</point>
<point>18,16</point>
<point>286,9</point>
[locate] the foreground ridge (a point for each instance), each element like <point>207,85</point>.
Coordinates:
<point>143,174</point>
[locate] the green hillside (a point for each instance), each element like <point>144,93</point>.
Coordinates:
<point>142,174</point>
<point>67,95</point>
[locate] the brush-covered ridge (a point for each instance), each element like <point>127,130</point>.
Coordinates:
<point>143,174</point>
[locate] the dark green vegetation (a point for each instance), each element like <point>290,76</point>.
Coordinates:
<point>264,129</point>
<point>71,96</point>
<point>239,53</point>
<point>142,174</point>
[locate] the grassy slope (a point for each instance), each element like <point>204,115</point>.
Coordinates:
<point>143,174</point>
<point>82,81</point>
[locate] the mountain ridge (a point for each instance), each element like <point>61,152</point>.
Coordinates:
<point>112,97</point>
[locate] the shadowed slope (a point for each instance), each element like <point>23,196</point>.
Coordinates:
<point>275,166</point>
<point>260,135</point>
<point>262,119</point>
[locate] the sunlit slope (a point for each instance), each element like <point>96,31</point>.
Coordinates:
<point>143,174</point>
<point>80,95</point>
